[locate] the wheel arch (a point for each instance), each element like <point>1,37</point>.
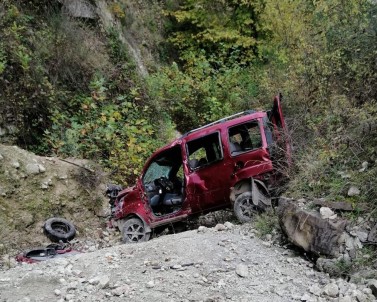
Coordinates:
<point>245,185</point>
<point>120,222</point>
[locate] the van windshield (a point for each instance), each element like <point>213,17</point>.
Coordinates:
<point>156,170</point>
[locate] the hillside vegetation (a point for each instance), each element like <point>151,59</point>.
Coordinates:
<point>73,87</point>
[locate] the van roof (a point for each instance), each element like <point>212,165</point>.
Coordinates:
<point>224,122</point>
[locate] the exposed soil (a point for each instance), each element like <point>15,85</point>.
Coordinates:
<point>34,188</point>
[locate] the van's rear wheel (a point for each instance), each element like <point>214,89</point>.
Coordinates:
<point>244,208</point>
<point>133,231</point>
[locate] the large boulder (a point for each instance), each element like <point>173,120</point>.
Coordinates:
<point>309,231</point>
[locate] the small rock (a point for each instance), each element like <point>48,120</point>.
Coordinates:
<point>70,297</point>
<point>331,290</point>
<point>268,237</point>
<point>44,186</point>
<point>305,297</point>
<point>220,227</point>
<point>121,290</point>
<point>32,169</point>
<point>242,270</point>
<point>345,299</point>
<point>202,229</point>
<point>150,284</point>
<point>353,191</point>
<point>315,290</point>
<point>104,281</point>
<point>1,157</point>
<point>42,169</point>
<point>364,166</point>
<point>15,164</point>
<point>229,225</point>
<point>326,212</point>
<point>363,236</point>
<point>361,297</point>
<point>57,292</point>
<point>94,281</point>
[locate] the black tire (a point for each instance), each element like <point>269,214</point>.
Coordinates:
<point>133,231</point>
<point>244,209</point>
<point>59,229</point>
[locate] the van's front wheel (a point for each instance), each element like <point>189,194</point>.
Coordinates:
<point>133,231</point>
<point>244,208</point>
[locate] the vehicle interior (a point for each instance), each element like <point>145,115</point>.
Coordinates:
<point>244,137</point>
<point>164,182</point>
<point>204,151</point>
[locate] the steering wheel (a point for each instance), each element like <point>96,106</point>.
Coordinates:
<point>165,184</point>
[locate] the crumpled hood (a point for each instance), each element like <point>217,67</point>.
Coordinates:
<point>126,191</point>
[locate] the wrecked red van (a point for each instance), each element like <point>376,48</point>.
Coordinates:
<point>232,162</point>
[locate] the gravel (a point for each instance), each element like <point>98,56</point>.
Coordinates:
<point>189,266</point>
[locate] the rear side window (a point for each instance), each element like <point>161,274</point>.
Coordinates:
<point>204,151</point>
<point>244,137</point>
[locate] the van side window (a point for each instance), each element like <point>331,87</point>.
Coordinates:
<point>244,137</point>
<point>204,151</point>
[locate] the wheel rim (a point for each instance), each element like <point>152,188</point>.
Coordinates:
<point>135,232</point>
<point>60,228</point>
<point>248,208</point>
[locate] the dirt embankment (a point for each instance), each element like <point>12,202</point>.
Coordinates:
<point>34,188</point>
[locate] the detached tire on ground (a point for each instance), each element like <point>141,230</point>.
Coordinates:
<point>59,229</point>
<point>133,231</point>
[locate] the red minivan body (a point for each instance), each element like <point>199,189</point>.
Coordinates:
<point>231,162</point>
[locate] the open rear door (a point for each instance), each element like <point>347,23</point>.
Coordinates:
<point>280,131</point>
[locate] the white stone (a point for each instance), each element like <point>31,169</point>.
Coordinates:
<point>104,281</point>
<point>353,191</point>
<point>242,270</point>
<point>121,290</point>
<point>15,164</point>
<point>57,292</point>
<point>42,169</point>
<point>315,290</point>
<point>326,212</point>
<point>150,284</point>
<point>229,225</point>
<point>331,290</point>
<point>220,227</point>
<point>202,229</point>
<point>305,297</point>
<point>345,299</point>
<point>32,169</point>
<point>94,281</point>
<point>363,236</point>
<point>364,166</point>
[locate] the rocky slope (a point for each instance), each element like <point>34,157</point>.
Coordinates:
<point>34,188</point>
<point>225,263</point>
